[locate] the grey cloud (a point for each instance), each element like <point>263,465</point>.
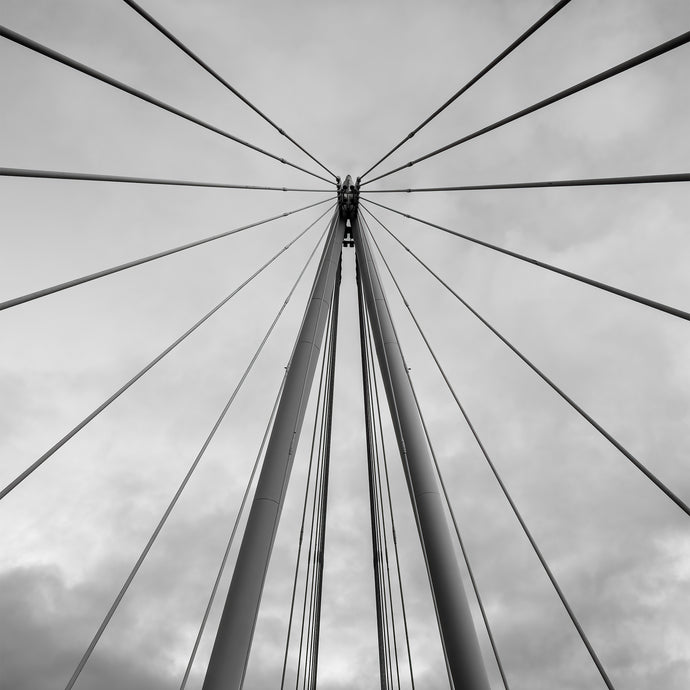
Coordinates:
<point>346,81</point>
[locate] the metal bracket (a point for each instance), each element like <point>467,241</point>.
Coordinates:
<point>348,203</point>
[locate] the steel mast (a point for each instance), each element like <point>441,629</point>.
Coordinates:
<point>458,636</point>
<point>233,641</point>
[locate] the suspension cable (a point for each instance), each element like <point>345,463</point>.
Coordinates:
<point>100,76</point>
<point>665,47</point>
<point>187,477</point>
<point>224,560</point>
<point>378,493</point>
<point>300,540</point>
<point>309,582</point>
<point>395,416</point>
<point>89,177</point>
<point>442,482</point>
<point>70,434</point>
<point>496,474</point>
<point>517,42</point>
<point>323,508</point>
<point>317,527</point>
<point>22,299</point>
<point>586,182</point>
<point>311,652</point>
<point>624,451</point>
<point>370,441</point>
<point>392,517</point>
<point>659,306</point>
<point>381,563</point>
<point>461,542</point>
<point>157,25</point>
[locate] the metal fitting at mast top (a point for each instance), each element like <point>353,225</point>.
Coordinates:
<point>348,203</point>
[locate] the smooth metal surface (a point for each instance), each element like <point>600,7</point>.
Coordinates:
<point>455,621</point>
<point>585,182</point>
<point>128,179</point>
<point>233,641</point>
<point>506,493</point>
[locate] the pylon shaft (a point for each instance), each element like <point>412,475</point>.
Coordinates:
<point>231,649</point>
<point>457,631</point>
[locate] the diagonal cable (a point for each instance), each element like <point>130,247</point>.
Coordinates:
<point>75,430</point>
<point>307,485</point>
<point>90,177</point>
<point>29,43</point>
<point>616,444</point>
<point>526,530</point>
<point>309,581</point>
<point>379,452</point>
<point>392,517</point>
<point>183,484</point>
<point>461,542</point>
<point>470,571</point>
<point>661,49</point>
<point>157,25</point>
<point>15,301</point>
<point>585,182</point>
<point>369,424</point>
<point>517,42</point>
<point>327,438</point>
<point>228,546</point>
<point>396,418</point>
<point>659,306</point>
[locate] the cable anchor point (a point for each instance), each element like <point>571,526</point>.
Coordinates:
<point>348,204</point>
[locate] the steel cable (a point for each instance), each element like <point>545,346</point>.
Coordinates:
<point>392,519</point>
<point>183,484</point>
<point>29,43</point>
<point>310,575</point>
<point>157,25</point>
<point>661,49</point>
<point>585,182</point>
<point>378,445</point>
<point>470,571</point>
<point>616,444</point>
<point>89,177</point>
<point>369,436</point>
<point>517,42</point>
<point>22,299</point>
<point>395,416</point>
<point>506,493</point>
<point>300,540</point>
<point>231,539</point>
<point>326,472</point>
<point>70,434</point>
<point>659,306</point>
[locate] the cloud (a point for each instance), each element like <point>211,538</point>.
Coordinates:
<point>346,82</point>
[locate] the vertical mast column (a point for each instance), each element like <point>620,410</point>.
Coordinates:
<point>458,635</point>
<point>234,638</point>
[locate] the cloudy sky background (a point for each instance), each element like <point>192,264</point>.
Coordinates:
<point>347,80</point>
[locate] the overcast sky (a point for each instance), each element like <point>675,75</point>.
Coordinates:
<point>347,80</point>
